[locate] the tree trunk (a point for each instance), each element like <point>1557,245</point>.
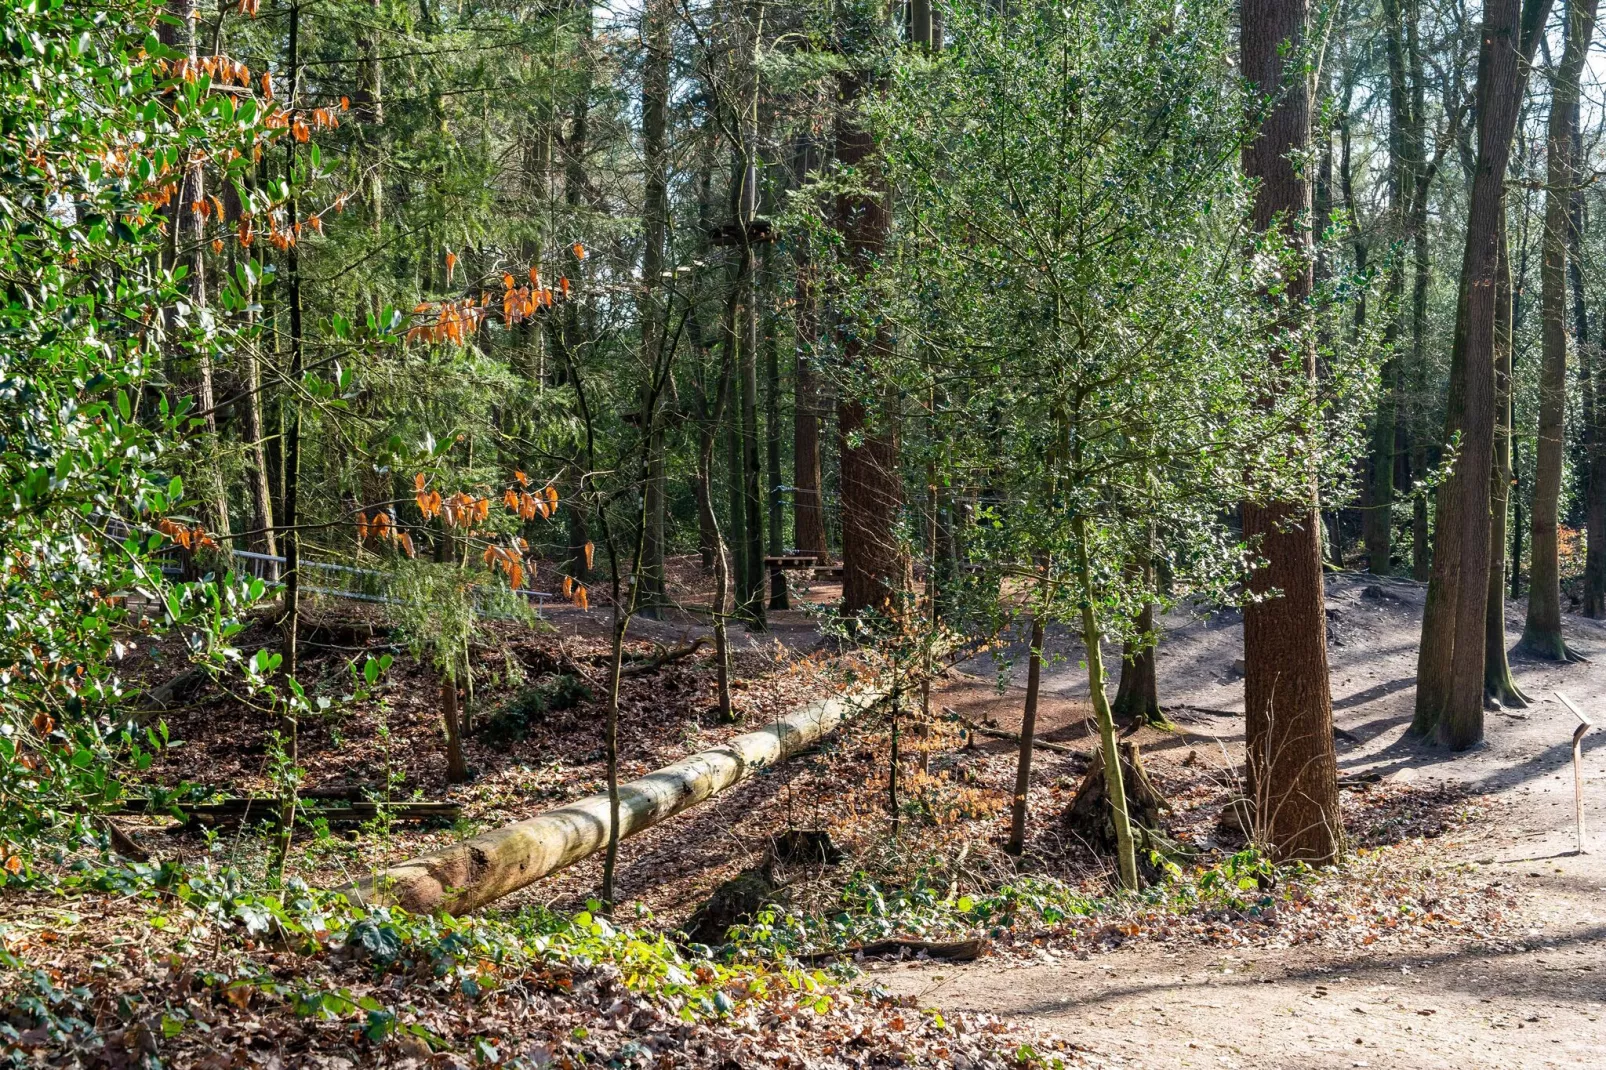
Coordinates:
<point>1137,696</point>
<point>1497,682</point>
<point>752,586</point>
<point>1378,526</point>
<point>456,765</point>
<point>292,433</point>
<point>808,520</point>
<point>1450,667</point>
<point>1595,491</point>
<point>1541,634</point>
<point>655,225</point>
<point>874,567</point>
<point>772,438</point>
<point>1028,733</point>
<point>1092,634</point>
<point>1292,767</point>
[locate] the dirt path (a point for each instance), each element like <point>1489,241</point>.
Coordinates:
<point>1537,1003</point>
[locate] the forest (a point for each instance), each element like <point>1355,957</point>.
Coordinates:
<point>764,533</point>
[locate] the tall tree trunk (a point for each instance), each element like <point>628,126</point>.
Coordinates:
<point>874,567</point>
<point>1028,733</point>
<point>772,435</point>
<point>1450,666</point>
<point>1498,683</point>
<point>1542,630</point>
<point>808,519</point>
<point>1541,634</point>
<point>1378,526</point>
<point>1293,772</point>
<point>752,587</point>
<point>655,226</point>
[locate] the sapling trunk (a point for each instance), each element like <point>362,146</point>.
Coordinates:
<point>1125,851</point>
<point>1028,732</point>
<point>456,766</point>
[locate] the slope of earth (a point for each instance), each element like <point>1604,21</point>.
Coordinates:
<point>1531,995</point>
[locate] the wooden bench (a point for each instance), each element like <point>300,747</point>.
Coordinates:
<point>786,563</point>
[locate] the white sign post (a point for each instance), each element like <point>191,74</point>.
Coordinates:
<point>1578,764</point>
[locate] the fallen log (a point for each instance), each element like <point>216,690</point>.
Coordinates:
<point>663,657</point>
<point>998,733</point>
<point>469,874</point>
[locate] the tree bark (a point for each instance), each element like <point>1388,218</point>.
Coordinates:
<point>808,520</point>
<point>1028,735</point>
<point>655,227</point>
<point>456,765</point>
<point>1092,634</point>
<point>1541,634</point>
<point>772,437</point>
<point>469,874</point>
<point>1292,767</point>
<point>1497,683</point>
<point>874,567</point>
<point>1450,666</point>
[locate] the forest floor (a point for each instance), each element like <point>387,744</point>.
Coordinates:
<point>1528,992</point>
<point>1463,931</point>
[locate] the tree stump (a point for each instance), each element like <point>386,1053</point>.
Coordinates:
<point>1089,812</point>
<point>735,902</point>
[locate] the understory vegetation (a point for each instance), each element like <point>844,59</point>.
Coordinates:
<point>542,534</point>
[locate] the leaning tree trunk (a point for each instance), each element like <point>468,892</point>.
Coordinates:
<point>473,872</point>
<point>1092,634</point>
<point>1292,766</point>
<point>1497,682</point>
<point>1450,665</point>
<point>1541,634</point>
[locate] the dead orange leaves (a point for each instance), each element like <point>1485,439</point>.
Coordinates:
<point>191,538</point>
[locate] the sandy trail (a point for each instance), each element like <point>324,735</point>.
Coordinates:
<point>1534,1004</point>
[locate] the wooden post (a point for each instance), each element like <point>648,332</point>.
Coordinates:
<point>1585,724</point>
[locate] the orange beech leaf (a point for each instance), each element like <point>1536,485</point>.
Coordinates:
<point>267,84</point>
<point>507,282</point>
<point>582,599</point>
<point>418,478</point>
<point>362,528</point>
<point>523,546</point>
<point>591,550</point>
<point>563,284</point>
<point>535,276</point>
<point>551,494</point>
<point>524,480</point>
<point>451,265</point>
<point>579,251</point>
<point>406,541</point>
<point>482,509</point>
<point>217,245</point>
<point>568,586</point>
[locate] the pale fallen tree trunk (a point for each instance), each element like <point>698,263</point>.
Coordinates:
<point>477,871</point>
